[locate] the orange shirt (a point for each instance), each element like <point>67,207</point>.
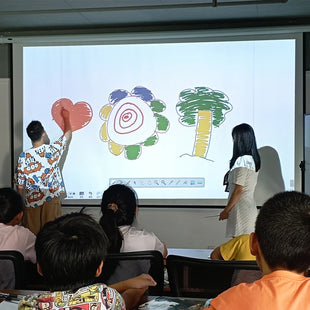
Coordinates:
<point>279,290</point>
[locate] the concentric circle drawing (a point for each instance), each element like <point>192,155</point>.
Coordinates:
<point>132,120</point>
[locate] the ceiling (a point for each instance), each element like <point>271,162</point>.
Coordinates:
<point>41,16</point>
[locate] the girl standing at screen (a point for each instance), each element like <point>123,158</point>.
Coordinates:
<point>119,208</point>
<point>241,211</point>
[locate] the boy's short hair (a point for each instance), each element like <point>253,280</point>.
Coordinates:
<point>69,251</point>
<point>35,131</point>
<point>11,204</point>
<point>283,231</point>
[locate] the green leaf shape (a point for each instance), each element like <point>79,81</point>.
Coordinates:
<point>150,141</point>
<point>201,99</point>
<point>162,122</point>
<point>132,151</point>
<point>157,106</point>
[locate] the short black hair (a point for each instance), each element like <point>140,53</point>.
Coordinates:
<point>283,231</point>
<point>69,251</point>
<point>35,131</point>
<point>11,204</point>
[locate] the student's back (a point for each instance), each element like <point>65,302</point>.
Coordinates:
<point>237,248</point>
<point>119,207</point>
<point>278,290</point>
<point>71,252</point>
<point>281,244</point>
<point>18,238</point>
<point>12,235</point>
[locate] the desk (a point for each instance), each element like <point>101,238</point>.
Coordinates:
<point>195,253</point>
<point>172,303</point>
<point>19,292</point>
<point>17,295</point>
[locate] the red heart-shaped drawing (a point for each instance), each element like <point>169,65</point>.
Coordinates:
<point>81,113</point>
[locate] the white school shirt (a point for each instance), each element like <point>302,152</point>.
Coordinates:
<point>135,239</point>
<point>18,238</point>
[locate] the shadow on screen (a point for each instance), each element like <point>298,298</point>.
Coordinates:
<point>270,180</point>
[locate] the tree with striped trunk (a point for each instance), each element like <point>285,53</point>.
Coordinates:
<point>202,107</point>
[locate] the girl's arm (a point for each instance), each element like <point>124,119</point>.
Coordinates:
<point>234,198</point>
<point>133,289</point>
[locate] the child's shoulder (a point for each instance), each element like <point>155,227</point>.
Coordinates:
<point>137,232</point>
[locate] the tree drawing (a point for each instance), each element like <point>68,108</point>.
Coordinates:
<point>204,108</point>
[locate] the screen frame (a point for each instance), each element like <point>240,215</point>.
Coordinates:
<point>160,37</point>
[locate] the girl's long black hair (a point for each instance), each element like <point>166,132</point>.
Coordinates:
<point>118,207</point>
<point>124,200</point>
<point>244,144</point>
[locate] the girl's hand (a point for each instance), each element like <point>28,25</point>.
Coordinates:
<point>141,281</point>
<point>223,215</point>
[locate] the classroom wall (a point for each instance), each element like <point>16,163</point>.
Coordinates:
<point>5,115</point>
<point>178,227</point>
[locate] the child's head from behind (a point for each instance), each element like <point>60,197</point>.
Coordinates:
<point>11,205</point>
<point>118,207</point>
<point>283,231</point>
<point>70,250</point>
<point>120,200</point>
<point>35,131</point>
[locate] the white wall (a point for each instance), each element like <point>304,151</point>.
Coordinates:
<point>5,133</point>
<point>307,136</point>
<point>179,228</point>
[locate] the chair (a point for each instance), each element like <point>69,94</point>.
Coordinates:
<point>127,265</point>
<point>11,269</point>
<point>193,277</point>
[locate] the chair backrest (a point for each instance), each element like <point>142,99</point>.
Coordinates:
<point>131,264</point>
<point>193,277</point>
<point>11,269</point>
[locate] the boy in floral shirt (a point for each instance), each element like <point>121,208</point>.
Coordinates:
<point>38,178</point>
<point>70,254</point>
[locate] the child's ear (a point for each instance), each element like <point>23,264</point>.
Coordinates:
<point>254,246</point>
<point>19,217</point>
<point>39,270</point>
<point>99,269</point>
<point>16,220</point>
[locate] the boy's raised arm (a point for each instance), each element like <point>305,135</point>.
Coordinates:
<point>67,128</point>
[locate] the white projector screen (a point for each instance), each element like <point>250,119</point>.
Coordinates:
<point>158,115</point>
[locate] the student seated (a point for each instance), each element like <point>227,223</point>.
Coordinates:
<point>237,248</point>
<point>119,206</point>
<point>70,255</point>
<point>12,235</point>
<point>281,244</point>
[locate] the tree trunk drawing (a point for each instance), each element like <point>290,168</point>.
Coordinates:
<point>203,133</point>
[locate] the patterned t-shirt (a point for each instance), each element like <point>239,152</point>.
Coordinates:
<point>38,171</point>
<point>93,297</point>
